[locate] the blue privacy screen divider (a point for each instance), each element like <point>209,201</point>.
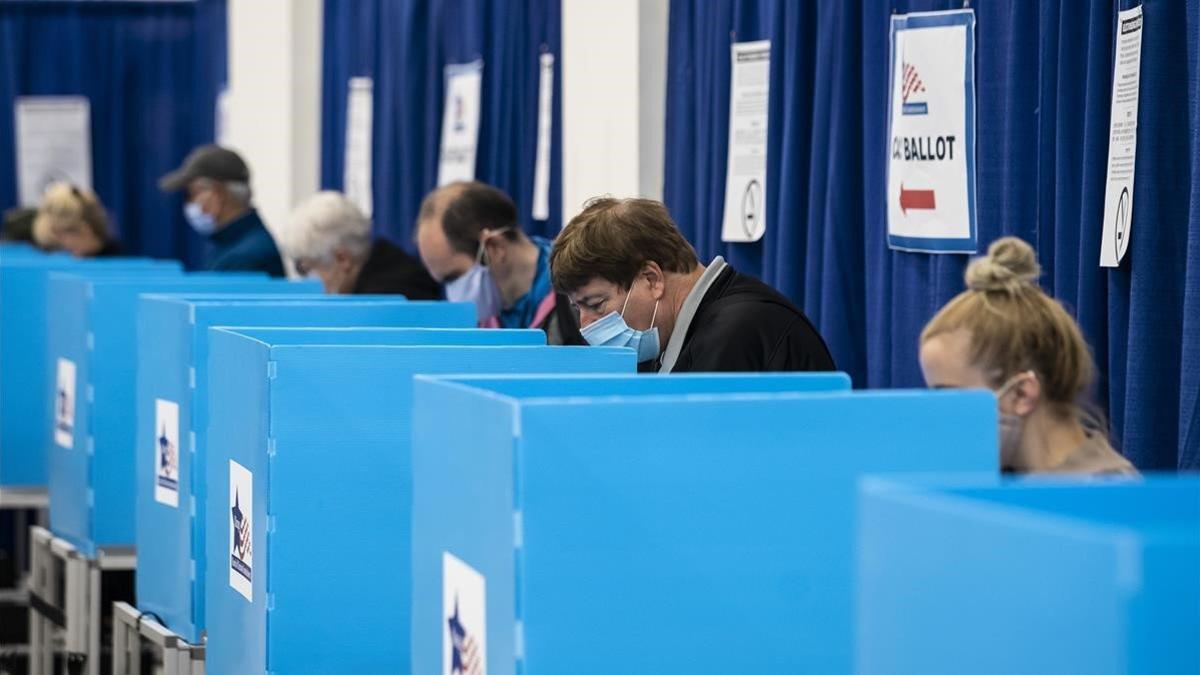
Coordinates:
<point>697,524</point>
<point>94,328</point>
<point>25,410</point>
<point>315,442</point>
<point>961,575</point>
<point>173,383</point>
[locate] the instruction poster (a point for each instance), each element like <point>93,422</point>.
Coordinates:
<point>356,174</point>
<point>460,122</point>
<point>1122,139</point>
<point>746,166</point>
<point>931,133</point>
<point>54,144</point>
<point>541,170</point>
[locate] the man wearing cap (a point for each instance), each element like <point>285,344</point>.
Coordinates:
<point>218,207</point>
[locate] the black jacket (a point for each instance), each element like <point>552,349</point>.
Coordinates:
<point>745,325</point>
<point>389,270</point>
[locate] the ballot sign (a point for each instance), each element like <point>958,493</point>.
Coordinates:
<point>464,618</point>
<point>166,452</point>
<point>931,133</point>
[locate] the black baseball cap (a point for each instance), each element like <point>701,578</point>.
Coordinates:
<point>207,161</point>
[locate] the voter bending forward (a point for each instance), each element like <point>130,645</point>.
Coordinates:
<point>638,283</point>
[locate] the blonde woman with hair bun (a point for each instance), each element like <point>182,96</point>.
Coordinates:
<point>72,219</point>
<point>1005,334</point>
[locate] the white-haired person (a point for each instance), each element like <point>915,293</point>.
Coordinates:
<point>328,236</point>
<point>72,219</point>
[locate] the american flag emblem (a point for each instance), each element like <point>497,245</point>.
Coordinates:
<point>464,658</point>
<point>241,539</point>
<point>64,411</point>
<point>911,85</point>
<point>168,466</point>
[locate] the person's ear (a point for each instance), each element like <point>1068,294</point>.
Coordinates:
<point>1026,394</point>
<point>341,257</point>
<point>495,249</point>
<point>656,278</point>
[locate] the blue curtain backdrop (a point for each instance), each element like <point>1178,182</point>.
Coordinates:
<point>1044,77</point>
<point>404,46</point>
<point>151,71</point>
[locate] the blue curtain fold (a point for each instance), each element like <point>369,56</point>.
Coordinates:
<point>1044,78</point>
<point>151,71</point>
<point>404,46</point>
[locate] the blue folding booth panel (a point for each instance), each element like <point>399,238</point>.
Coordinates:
<point>173,360</point>
<point>25,414</point>
<point>92,480</point>
<point>1049,576</point>
<point>641,528</point>
<point>326,442</point>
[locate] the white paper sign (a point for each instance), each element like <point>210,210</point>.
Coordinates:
<point>931,133</point>
<point>746,168</point>
<point>64,404</point>
<point>460,122</point>
<point>221,125</point>
<point>1122,139</point>
<point>356,175</point>
<point>541,169</point>
<point>54,143</point>
<point>241,531</point>
<point>464,618</point>
<point>166,452</point>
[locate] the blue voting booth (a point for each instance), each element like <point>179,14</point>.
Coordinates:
<point>173,395</point>
<point>964,575</point>
<point>309,478</point>
<point>26,413</point>
<point>698,524</point>
<point>91,469</point>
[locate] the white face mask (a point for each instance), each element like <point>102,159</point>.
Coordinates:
<point>477,286</point>
<point>1010,426</point>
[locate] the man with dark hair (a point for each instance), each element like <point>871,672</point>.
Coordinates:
<point>470,239</point>
<point>638,283</point>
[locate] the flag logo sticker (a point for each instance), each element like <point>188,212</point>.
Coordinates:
<point>166,452</point>
<point>241,532</point>
<point>64,404</point>
<point>464,618</point>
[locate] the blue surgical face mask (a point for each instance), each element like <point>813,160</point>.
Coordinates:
<point>612,331</point>
<point>477,286</point>
<point>200,221</point>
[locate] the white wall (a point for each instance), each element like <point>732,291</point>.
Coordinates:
<point>274,100</point>
<point>614,65</point>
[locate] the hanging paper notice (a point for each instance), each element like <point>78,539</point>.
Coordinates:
<point>1122,139</point>
<point>221,122</point>
<point>460,122</point>
<point>746,167</point>
<point>541,170</point>
<point>54,143</point>
<point>356,173</point>
<point>931,133</point>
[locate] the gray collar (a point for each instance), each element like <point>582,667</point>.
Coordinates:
<point>688,312</point>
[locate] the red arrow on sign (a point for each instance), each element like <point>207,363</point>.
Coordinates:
<point>916,199</point>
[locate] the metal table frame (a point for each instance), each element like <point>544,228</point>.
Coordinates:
<point>74,627</point>
<point>133,631</point>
